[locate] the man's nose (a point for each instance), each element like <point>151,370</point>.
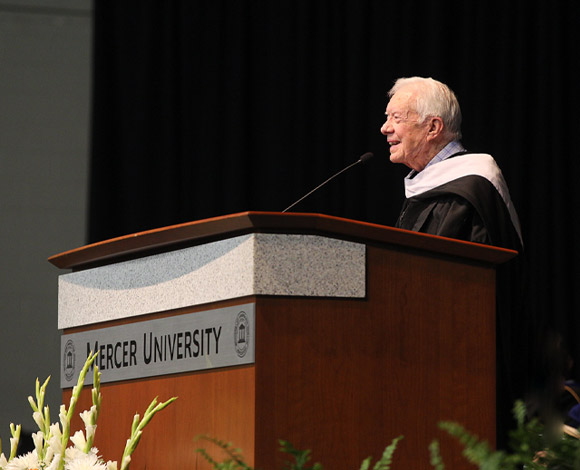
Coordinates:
<point>385,128</point>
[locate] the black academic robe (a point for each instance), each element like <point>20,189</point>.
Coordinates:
<point>467,208</point>
<point>465,197</point>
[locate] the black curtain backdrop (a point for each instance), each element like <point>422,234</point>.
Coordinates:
<point>204,108</point>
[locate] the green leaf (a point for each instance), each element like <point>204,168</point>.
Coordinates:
<point>436,460</point>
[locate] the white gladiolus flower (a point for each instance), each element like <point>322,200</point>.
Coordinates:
<point>49,454</point>
<point>55,444</point>
<point>13,443</point>
<point>54,463</point>
<point>38,439</point>
<point>51,445</point>
<point>79,440</point>
<point>62,416</point>
<point>90,430</point>
<point>38,419</point>
<point>55,430</point>
<point>88,416</point>
<point>74,398</point>
<point>55,438</point>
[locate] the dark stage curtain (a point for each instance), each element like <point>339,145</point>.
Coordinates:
<point>209,107</point>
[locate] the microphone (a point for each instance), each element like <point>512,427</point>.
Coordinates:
<point>363,159</point>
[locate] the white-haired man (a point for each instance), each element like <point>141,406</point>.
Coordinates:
<point>449,192</point>
<point>453,193</point>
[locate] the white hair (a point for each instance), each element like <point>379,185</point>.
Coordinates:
<point>433,98</point>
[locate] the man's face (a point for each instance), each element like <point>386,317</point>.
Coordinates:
<point>407,138</point>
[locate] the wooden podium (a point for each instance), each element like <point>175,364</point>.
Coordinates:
<point>362,333</point>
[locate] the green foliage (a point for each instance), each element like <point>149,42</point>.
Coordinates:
<point>474,450</point>
<point>533,446</point>
<point>301,457</point>
<point>384,463</point>
<point>138,426</point>
<point>436,460</point>
<point>234,460</point>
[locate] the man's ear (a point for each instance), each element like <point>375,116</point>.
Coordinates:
<point>436,127</point>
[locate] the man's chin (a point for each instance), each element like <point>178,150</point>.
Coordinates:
<point>395,158</point>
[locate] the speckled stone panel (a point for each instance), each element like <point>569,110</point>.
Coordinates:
<point>254,264</point>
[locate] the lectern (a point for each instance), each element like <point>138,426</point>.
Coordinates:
<point>333,334</point>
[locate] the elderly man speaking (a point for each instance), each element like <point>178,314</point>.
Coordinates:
<point>449,192</point>
<point>453,193</point>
